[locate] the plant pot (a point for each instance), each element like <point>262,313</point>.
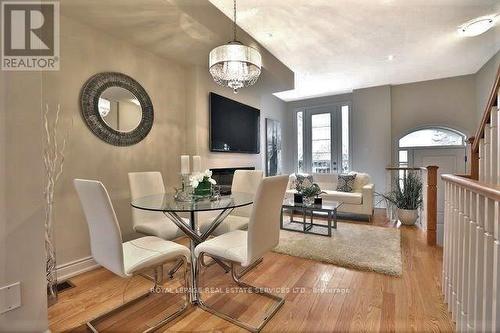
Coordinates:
<point>318,201</point>
<point>297,198</point>
<point>308,201</point>
<point>407,216</point>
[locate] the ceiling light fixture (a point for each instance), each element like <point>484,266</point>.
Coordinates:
<point>235,65</point>
<point>477,26</point>
<point>390,57</point>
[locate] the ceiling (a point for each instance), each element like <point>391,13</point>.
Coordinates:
<point>337,46</point>
<point>159,26</point>
<point>181,30</point>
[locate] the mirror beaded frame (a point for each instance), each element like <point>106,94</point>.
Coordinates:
<point>89,105</point>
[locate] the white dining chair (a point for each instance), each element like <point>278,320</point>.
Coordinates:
<point>244,181</point>
<point>148,222</point>
<point>245,248</point>
<point>130,258</point>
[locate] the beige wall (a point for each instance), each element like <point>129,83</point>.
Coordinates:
<point>447,102</point>
<point>21,224</point>
<point>85,52</point>
<point>484,81</point>
<point>371,133</point>
<point>3,174</point>
<point>179,93</point>
<point>180,97</point>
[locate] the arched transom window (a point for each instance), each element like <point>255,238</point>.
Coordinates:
<point>425,138</point>
<point>432,137</point>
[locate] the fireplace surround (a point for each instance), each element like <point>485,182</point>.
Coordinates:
<point>224,177</point>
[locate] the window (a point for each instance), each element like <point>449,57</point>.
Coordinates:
<point>345,139</point>
<point>322,134</point>
<point>300,142</point>
<point>104,107</point>
<point>321,142</point>
<point>432,137</point>
<point>403,163</point>
<point>424,139</point>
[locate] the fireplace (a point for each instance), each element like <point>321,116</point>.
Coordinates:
<point>224,177</point>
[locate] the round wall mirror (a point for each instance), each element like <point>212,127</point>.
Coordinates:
<point>120,109</point>
<point>116,108</point>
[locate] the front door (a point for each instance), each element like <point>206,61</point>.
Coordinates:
<point>449,161</point>
<point>322,139</point>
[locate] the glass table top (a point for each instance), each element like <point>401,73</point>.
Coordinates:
<point>166,203</point>
<point>326,206</point>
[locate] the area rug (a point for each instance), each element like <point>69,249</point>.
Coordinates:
<point>352,245</point>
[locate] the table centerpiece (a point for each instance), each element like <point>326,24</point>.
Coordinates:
<point>202,184</point>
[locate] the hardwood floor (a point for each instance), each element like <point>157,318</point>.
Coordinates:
<point>351,301</point>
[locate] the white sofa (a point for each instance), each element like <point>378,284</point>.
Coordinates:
<point>358,202</point>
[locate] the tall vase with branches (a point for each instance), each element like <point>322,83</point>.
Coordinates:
<point>54,146</point>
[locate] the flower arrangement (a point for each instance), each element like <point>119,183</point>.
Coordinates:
<point>311,192</point>
<point>202,183</point>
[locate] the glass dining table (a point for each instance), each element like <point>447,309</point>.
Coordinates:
<point>168,205</point>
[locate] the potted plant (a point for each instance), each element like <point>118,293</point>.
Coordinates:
<point>310,193</point>
<point>202,183</point>
<point>407,197</point>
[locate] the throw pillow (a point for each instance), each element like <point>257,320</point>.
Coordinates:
<point>345,183</point>
<point>303,181</point>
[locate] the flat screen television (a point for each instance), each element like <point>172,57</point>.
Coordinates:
<point>234,127</point>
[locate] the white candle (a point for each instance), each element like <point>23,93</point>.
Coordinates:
<point>196,164</point>
<point>185,164</point>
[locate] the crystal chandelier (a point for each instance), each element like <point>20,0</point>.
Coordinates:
<point>235,65</point>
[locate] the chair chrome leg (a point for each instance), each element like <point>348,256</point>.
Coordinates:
<point>244,271</point>
<point>257,290</point>
<point>218,261</point>
<point>157,278</point>
<point>184,306</point>
<point>174,269</point>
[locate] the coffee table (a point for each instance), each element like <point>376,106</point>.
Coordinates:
<point>329,209</point>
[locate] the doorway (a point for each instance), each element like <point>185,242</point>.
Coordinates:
<point>439,146</point>
<point>322,136</point>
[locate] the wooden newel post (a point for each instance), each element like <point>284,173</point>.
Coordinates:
<point>473,159</point>
<point>431,204</point>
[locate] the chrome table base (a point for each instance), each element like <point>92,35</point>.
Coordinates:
<point>195,239</point>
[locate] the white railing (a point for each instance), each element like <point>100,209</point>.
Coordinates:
<point>489,150</point>
<point>471,255</point>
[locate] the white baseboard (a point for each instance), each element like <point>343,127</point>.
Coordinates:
<point>70,269</point>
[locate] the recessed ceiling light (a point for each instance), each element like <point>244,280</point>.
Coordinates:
<point>477,26</point>
<point>390,57</point>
